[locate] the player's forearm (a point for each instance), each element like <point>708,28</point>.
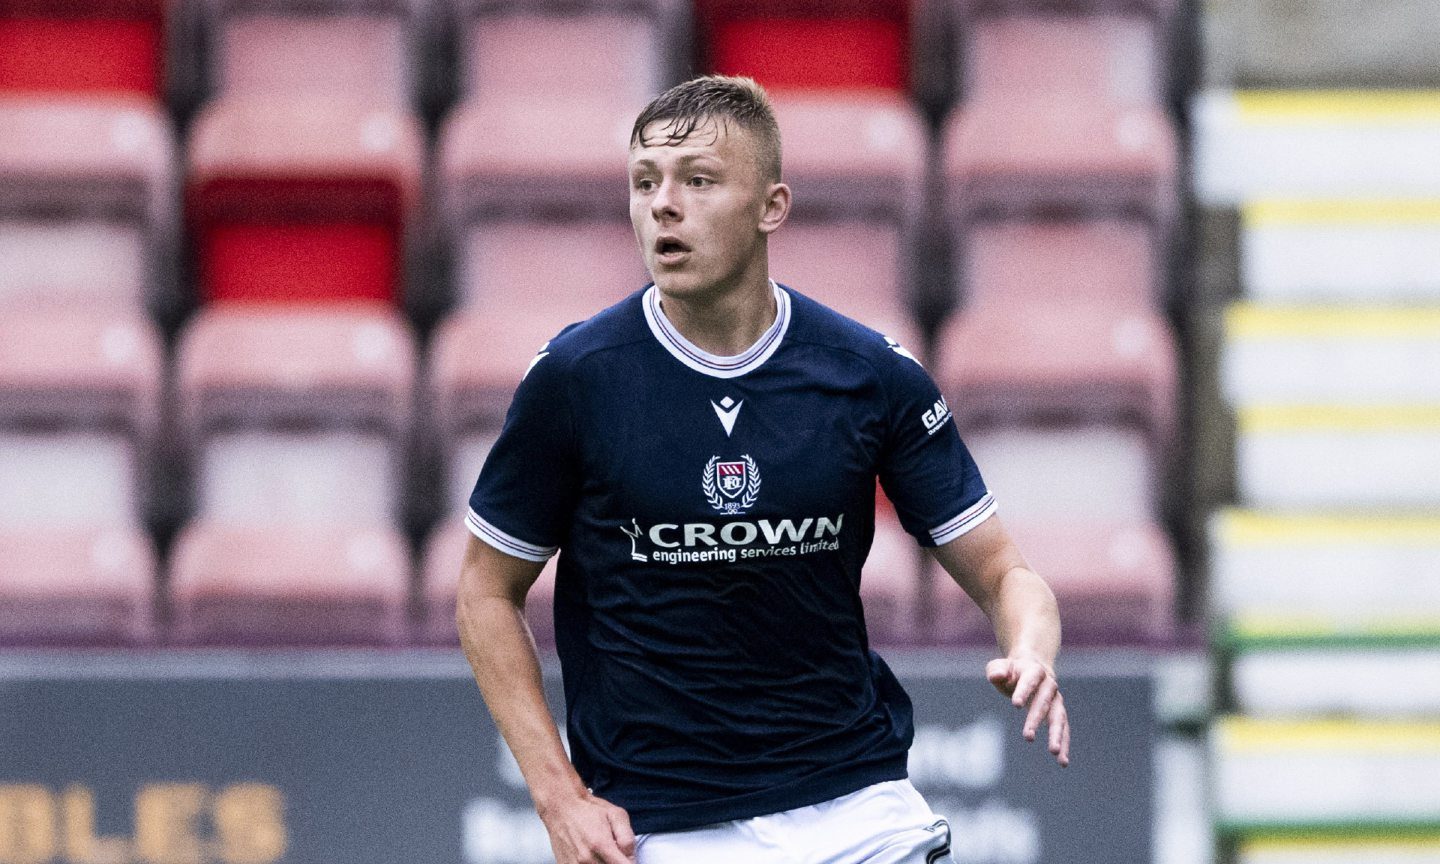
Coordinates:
<point>501,650</point>
<point>1025,616</point>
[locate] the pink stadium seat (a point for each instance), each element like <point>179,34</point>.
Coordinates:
<point>297,415</point>
<point>444,554</point>
<point>284,48</point>
<point>302,200</point>
<point>615,49</point>
<point>81,585</point>
<point>1103,261</point>
<point>1115,56</point>
<point>87,200</point>
<point>890,582</point>
<point>1003,365</point>
<point>289,585</point>
<point>101,46</point>
<point>1059,153</point>
<point>79,416</point>
<point>809,44</point>
<point>1115,583</point>
<point>856,165</point>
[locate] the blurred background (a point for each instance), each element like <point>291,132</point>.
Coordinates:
<point>271,269</point>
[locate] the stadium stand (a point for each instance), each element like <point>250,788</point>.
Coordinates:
<point>104,47</point>
<point>852,237</point>
<point>302,200</point>
<point>312,584</point>
<point>297,416</point>
<point>1110,262</point>
<point>72,585</point>
<point>87,201</point>
<point>619,50</point>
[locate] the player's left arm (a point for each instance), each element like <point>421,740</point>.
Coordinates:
<point>1021,608</point>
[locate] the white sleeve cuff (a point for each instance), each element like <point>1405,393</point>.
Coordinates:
<point>504,542</point>
<point>966,520</point>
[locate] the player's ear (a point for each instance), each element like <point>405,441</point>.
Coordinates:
<point>777,207</point>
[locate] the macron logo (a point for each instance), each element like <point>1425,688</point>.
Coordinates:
<point>936,416</point>
<point>728,413</point>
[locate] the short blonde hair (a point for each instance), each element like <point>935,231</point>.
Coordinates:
<point>722,98</point>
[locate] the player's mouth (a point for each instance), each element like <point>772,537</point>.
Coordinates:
<point>670,252</point>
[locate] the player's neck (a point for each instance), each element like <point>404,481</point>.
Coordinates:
<point>724,323</point>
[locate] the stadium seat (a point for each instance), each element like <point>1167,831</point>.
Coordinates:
<point>1302,665</point>
<point>1109,262</point>
<point>1070,363</point>
<point>1018,155</point>
<point>303,200</point>
<point>1336,457</point>
<point>1375,773</point>
<point>79,416</point>
<point>808,44</point>
<point>1323,43</point>
<point>80,585</point>
<point>1349,355</point>
<point>1116,56</point>
<point>856,165</point>
<point>106,46</point>
<point>1304,564</point>
<point>1314,145</point>
<point>87,201</point>
<point>280,49</point>
<point>1115,583</point>
<point>297,415</point>
<point>1341,251</point>
<point>610,49</point>
<point>444,553</point>
<point>289,585</point>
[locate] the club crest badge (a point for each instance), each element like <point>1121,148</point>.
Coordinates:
<point>731,487</point>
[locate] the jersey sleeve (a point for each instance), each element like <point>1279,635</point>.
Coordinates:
<point>925,469</point>
<point>525,496</point>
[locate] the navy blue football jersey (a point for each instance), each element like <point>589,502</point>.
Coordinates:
<point>712,515</point>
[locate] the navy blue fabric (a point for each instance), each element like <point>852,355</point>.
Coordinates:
<point>707,613</point>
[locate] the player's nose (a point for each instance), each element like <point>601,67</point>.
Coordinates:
<point>665,206</point>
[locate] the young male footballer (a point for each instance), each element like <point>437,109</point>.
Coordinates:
<point>703,455</point>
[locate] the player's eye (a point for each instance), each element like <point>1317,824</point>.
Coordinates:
<point>644,184</point>
<point>699,181</point>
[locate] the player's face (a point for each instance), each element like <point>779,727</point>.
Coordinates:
<point>701,209</point>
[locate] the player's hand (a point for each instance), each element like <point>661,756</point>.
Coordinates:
<point>590,830</point>
<point>1028,681</point>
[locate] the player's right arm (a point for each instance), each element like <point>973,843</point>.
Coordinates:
<point>489,613</point>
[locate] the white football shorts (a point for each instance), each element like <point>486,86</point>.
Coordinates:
<point>887,823</point>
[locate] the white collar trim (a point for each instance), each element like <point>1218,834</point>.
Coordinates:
<point>714,365</point>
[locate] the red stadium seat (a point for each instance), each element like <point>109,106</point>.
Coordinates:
<point>79,416</point>
<point>297,416</point>
<point>809,44</point>
<point>1110,262</point>
<point>1115,584</point>
<point>890,582</point>
<point>444,554</point>
<point>1021,155</point>
<point>280,49</point>
<point>1115,56</point>
<point>289,585</point>
<point>856,165</point>
<point>81,585</point>
<point>615,49</point>
<point>302,201</point>
<point>103,46</point>
<point>1005,365</point>
<point>87,201</point>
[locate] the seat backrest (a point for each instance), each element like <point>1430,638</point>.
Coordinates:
<point>79,584</point>
<point>105,47</point>
<point>1113,55</point>
<point>1040,262</point>
<point>278,55</point>
<point>555,52</point>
